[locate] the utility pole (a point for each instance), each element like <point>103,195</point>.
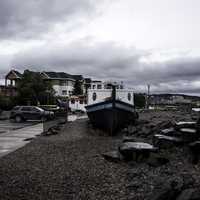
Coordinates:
<point>147,96</point>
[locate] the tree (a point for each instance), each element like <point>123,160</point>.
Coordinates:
<point>77,88</point>
<point>139,100</point>
<point>32,89</point>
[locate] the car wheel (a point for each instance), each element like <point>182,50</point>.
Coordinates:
<point>43,119</point>
<point>18,118</point>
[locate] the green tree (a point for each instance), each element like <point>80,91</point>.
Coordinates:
<point>139,100</point>
<point>77,88</point>
<point>33,89</point>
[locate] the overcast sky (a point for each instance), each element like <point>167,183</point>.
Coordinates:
<point>139,42</point>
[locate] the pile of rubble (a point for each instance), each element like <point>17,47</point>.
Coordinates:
<point>179,134</point>
<point>174,135</point>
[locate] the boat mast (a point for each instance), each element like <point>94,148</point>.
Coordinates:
<point>113,92</point>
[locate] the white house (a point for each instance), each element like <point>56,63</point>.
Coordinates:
<point>62,83</point>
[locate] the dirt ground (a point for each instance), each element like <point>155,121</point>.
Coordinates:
<point>70,165</point>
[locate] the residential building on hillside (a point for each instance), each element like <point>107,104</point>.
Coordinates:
<point>99,85</point>
<point>62,83</point>
<point>12,78</point>
<point>11,81</point>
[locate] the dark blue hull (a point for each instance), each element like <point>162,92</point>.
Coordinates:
<point>111,116</point>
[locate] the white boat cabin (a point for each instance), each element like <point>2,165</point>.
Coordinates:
<point>103,90</point>
<point>99,92</point>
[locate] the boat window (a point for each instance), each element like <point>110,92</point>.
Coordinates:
<point>81,101</point>
<point>99,86</point>
<point>129,96</point>
<point>94,96</point>
<point>94,86</point>
<point>64,92</point>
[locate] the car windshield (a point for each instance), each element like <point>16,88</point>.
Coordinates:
<point>16,108</point>
<point>40,109</point>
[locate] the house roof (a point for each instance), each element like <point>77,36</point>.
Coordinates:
<point>88,80</point>
<point>18,73</point>
<point>13,74</point>
<point>63,75</point>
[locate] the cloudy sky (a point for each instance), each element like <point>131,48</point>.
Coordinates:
<point>139,42</point>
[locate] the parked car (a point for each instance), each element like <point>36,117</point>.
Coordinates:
<point>22,113</point>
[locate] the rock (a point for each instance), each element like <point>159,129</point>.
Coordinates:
<point>165,125</point>
<point>58,128</point>
<point>189,134</point>
<point>168,131</point>
<point>131,129</point>
<point>167,192</point>
<point>137,151</point>
<point>188,180</point>
<point>182,124</point>
<point>163,141</point>
<point>195,150</point>
<point>124,130</point>
<point>28,139</point>
<point>51,131</point>
<point>142,121</point>
<point>134,185</point>
<point>189,194</point>
<point>146,131</point>
<point>156,161</point>
<point>128,139</point>
<point>113,156</point>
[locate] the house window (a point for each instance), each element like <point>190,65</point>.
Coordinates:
<point>63,83</point>
<point>94,86</point>
<point>64,92</point>
<point>81,101</point>
<point>99,86</point>
<point>72,101</point>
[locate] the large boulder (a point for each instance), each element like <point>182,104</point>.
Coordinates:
<point>164,142</point>
<point>113,156</point>
<point>137,151</point>
<point>189,194</point>
<point>183,124</point>
<point>189,134</point>
<point>168,131</point>
<point>167,192</point>
<point>195,151</point>
<point>155,160</point>
<point>129,139</point>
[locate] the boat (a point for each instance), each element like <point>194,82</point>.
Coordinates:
<point>113,112</point>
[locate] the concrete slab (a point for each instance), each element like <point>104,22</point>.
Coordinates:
<point>12,140</point>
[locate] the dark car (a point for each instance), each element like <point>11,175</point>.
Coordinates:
<point>22,113</point>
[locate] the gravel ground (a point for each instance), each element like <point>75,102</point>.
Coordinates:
<point>70,166</point>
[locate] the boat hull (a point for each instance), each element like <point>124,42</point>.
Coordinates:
<point>111,116</point>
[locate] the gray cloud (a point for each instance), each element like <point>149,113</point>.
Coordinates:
<point>36,20</point>
<point>30,18</point>
<point>113,62</point>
